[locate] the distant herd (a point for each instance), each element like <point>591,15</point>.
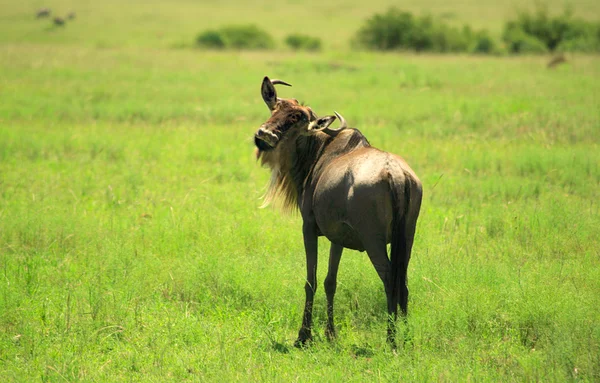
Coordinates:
<point>57,20</point>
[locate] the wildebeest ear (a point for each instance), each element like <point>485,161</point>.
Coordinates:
<point>269,94</point>
<point>321,123</point>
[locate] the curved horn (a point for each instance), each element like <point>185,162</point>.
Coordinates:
<point>279,82</point>
<point>334,132</point>
<point>268,92</point>
<point>320,124</point>
<point>343,124</point>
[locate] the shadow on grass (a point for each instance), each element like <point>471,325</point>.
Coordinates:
<point>280,347</point>
<point>364,351</point>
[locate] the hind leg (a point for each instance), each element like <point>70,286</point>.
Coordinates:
<point>403,288</point>
<point>409,235</point>
<point>377,251</point>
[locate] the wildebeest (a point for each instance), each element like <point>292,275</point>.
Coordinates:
<point>43,12</point>
<point>357,196</point>
<point>59,21</point>
<point>557,60</point>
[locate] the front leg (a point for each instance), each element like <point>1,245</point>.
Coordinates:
<point>310,246</point>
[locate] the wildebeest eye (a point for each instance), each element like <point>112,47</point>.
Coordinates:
<point>295,117</point>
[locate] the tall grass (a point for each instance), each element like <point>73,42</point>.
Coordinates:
<point>132,247</point>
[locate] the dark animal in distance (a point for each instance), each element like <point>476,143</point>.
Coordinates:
<point>59,21</point>
<point>556,61</point>
<point>43,12</point>
<point>355,195</point>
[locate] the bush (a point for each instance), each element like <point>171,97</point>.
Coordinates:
<point>585,44</point>
<point>386,31</point>
<point>303,42</point>
<point>482,43</point>
<point>211,39</point>
<point>236,37</point>
<point>247,37</point>
<point>520,42</point>
<point>397,29</point>
<point>552,32</point>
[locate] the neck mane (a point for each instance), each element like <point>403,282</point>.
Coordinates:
<point>297,161</point>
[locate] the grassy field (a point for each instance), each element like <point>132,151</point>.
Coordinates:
<point>131,243</point>
<point>163,24</point>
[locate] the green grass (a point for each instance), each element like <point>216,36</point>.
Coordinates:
<point>132,247</point>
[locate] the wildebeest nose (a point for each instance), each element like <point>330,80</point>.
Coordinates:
<point>265,140</point>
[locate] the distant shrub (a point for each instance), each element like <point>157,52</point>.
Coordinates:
<point>482,43</point>
<point>529,33</point>
<point>553,32</point>
<point>211,39</point>
<point>247,37</point>
<point>386,31</point>
<point>396,29</point>
<point>588,41</point>
<point>303,42</point>
<point>236,37</point>
<point>584,44</point>
<point>520,42</point>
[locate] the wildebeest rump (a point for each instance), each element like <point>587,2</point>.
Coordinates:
<point>357,196</point>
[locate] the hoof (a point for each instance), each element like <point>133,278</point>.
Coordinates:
<point>302,343</point>
<point>304,338</point>
<point>391,338</point>
<point>330,334</point>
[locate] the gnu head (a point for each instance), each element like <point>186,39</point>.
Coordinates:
<point>287,115</point>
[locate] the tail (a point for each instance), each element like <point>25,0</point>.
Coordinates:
<point>399,254</point>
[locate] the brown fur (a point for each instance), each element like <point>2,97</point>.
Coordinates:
<point>285,115</point>
<point>557,60</point>
<point>293,161</point>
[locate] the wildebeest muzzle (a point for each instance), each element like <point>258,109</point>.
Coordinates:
<point>265,140</point>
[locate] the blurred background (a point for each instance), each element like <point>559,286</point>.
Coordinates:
<point>177,23</point>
